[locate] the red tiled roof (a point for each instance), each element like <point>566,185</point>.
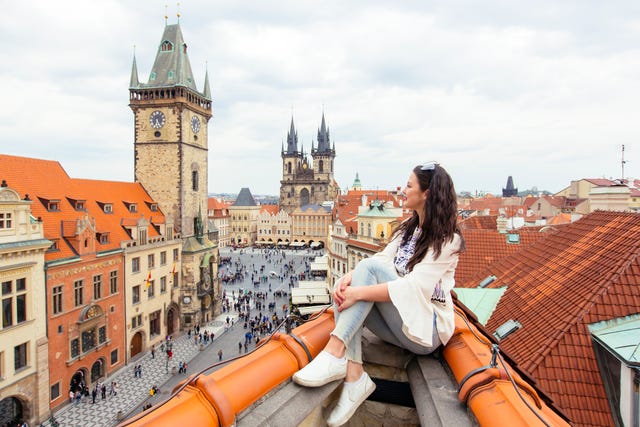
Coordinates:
<point>271,209</point>
<point>480,222</point>
<point>214,204</point>
<point>600,182</point>
<point>584,272</point>
<point>346,208</point>
<point>47,179</point>
<point>484,247</point>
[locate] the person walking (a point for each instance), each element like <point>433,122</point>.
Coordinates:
<point>94,393</point>
<point>220,354</point>
<point>153,351</point>
<point>402,294</point>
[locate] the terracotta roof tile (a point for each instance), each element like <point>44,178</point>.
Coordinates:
<point>47,179</point>
<point>579,274</point>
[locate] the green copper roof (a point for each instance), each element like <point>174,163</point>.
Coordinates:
<point>481,301</point>
<point>172,66</point>
<point>621,336</point>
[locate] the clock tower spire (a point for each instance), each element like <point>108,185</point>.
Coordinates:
<point>171,162</point>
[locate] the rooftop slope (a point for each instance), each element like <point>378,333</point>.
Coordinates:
<point>218,398</point>
<point>585,272</point>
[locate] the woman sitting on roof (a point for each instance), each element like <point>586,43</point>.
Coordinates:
<point>402,294</point>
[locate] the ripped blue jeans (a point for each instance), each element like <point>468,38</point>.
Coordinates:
<point>381,318</point>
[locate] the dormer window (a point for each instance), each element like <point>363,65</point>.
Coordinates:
<point>133,208</point>
<point>153,207</point>
<point>166,46</point>
<point>170,74</point>
<point>53,205</point>
<point>103,238</point>
<point>54,246</point>
<point>107,208</point>
<point>5,221</point>
<point>152,76</point>
<point>79,205</point>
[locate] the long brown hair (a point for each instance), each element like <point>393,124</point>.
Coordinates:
<point>440,215</point>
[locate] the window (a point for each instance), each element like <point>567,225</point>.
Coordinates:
<point>175,280</point>
<point>20,356</point>
<point>5,220</point>
<point>75,348</point>
<point>7,312</point>
<point>163,258</point>
<point>88,340</point>
<point>163,284</point>
<point>79,206</point>
<point>133,208</point>
<point>136,321</point>
<point>151,260</point>
<point>97,286</point>
<point>135,265</point>
<point>154,323</point>
<point>142,236</point>
<point>114,356</point>
<point>78,290</point>
<point>53,206</point>
<point>151,289</point>
<point>103,238</point>
<point>102,334</point>
<point>108,208</point>
<point>153,207</point>
<point>55,391</point>
<point>113,282</point>
<point>175,254</point>
<point>14,302</point>
<point>194,180</point>
<point>135,294</point>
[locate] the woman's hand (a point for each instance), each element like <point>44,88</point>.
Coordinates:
<point>349,297</point>
<point>340,288</point>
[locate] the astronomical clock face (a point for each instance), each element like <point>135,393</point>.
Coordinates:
<point>195,124</point>
<point>157,119</point>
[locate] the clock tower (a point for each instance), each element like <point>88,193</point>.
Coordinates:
<point>171,162</point>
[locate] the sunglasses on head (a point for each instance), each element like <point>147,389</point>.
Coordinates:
<point>428,166</point>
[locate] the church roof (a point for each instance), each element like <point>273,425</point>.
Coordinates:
<point>245,198</point>
<point>323,137</point>
<point>172,66</point>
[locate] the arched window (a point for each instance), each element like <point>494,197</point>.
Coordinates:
<point>194,180</point>
<point>166,46</point>
<point>320,166</point>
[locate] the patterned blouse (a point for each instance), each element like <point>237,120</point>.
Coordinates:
<point>404,254</point>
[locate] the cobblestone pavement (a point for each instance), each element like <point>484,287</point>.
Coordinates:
<point>133,391</point>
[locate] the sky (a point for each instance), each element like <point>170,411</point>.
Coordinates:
<point>546,91</point>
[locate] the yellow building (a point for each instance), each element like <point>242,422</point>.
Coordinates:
<point>24,371</point>
<point>310,226</point>
<point>244,216</point>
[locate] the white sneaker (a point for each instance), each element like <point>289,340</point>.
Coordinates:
<point>351,397</point>
<point>322,370</point>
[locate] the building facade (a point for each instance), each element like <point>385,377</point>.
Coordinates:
<point>24,375</point>
<point>218,212</point>
<point>171,162</point>
<point>303,182</point>
<point>244,219</point>
<point>274,229</point>
<point>310,225</point>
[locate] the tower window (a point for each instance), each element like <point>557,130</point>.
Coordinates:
<point>170,74</point>
<point>320,166</point>
<point>194,180</point>
<point>166,46</point>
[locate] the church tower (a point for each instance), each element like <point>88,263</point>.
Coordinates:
<point>323,156</point>
<point>304,183</point>
<point>171,162</point>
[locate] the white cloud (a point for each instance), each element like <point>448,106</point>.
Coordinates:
<point>544,92</point>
